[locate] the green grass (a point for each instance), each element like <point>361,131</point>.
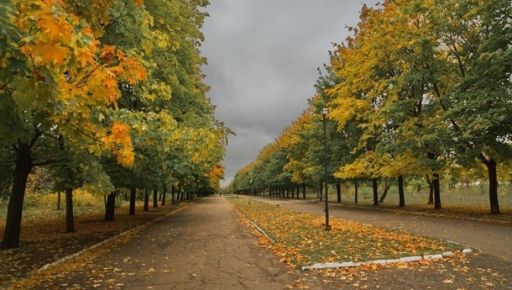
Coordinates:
<point>464,196</point>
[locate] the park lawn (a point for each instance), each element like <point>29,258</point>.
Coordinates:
<point>300,239</point>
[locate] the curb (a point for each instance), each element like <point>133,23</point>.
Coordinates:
<point>430,257</point>
<point>262,231</point>
<point>83,251</point>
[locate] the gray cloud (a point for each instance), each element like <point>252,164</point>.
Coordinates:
<point>262,63</point>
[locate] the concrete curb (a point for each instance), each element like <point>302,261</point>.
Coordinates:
<point>83,251</point>
<point>429,257</point>
<point>262,231</point>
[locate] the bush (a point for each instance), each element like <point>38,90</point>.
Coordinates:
<point>81,198</point>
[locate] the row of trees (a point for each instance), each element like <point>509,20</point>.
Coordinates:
<point>421,89</point>
<point>108,94</point>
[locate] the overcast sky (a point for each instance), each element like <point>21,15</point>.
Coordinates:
<point>263,57</point>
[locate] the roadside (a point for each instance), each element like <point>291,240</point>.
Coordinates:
<point>491,239</point>
<point>471,271</point>
<point>299,239</point>
<point>45,241</point>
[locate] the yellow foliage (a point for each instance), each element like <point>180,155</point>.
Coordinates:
<point>120,143</point>
<point>215,175</point>
<point>81,198</point>
<point>61,43</point>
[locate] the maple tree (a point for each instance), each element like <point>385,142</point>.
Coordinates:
<point>55,86</point>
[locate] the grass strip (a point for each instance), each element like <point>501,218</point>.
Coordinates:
<point>301,240</point>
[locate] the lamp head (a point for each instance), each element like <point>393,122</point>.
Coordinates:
<point>325,112</point>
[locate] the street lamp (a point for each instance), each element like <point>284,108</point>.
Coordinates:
<point>325,112</point>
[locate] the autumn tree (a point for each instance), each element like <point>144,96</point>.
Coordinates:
<point>58,82</point>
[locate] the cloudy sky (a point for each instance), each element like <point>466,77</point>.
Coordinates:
<point>263,57</point>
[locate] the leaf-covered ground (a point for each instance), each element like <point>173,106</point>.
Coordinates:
<point>44,240</point>
<point>203,246</point>
<point>300,239</point>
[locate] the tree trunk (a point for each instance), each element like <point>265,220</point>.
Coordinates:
<point>304,191</point>
<point>58,200</point>
<point>435,185</point>
<point>385,192</point>
<point>110,207</point>
<point>321,193</point>
<point>375,186</point>
<point>155,198</point>
<point>401,194</point>
<point>164,193</point>
<point>338,191</point>
<point>356,193</point>
<point>22,169</point>
<point>173,194</point>
<point>493,185</point>
<point>70,218</point>
<point>437,191</point>
<point>431,192</point>
<point>133,196</point>
<point>146,200</point>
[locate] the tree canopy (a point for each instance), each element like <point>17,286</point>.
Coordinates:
<point>109,94</point>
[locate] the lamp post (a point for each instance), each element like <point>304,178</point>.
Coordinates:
<point>325,112</point>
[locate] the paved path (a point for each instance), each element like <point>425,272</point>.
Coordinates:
<point>202,247</point>
<point>492,239</point>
